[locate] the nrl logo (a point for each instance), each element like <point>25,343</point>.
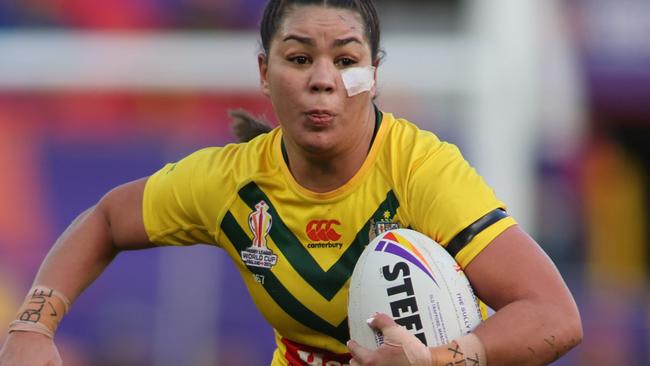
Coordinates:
<point>258,254</point>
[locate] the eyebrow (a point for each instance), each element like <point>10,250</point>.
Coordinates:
<point>304,40</point>
<point>342,42</point>
<point>310,42</point>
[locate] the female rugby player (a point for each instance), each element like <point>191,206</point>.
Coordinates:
<point>295,207</point>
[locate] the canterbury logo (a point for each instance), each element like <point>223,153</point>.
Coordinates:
<point>322,230</point>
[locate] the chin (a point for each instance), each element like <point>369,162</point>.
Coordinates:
<point>317,143</point>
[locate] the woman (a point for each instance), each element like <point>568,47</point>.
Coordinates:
<point>295,207</point>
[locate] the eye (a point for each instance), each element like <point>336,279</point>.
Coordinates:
<point>300,60</point>
<point>345,62</point>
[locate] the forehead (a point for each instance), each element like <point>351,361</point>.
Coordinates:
<point>321,21</point>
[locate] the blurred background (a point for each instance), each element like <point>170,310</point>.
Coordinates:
<point>549,99</point>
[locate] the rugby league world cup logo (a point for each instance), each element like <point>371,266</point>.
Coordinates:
<point>258,255</point>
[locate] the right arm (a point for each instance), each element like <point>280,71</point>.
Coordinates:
<point>78,257</point>
<point>94,238</point>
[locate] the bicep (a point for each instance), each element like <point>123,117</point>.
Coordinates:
<point>122,209</point>
<point>513,267</point>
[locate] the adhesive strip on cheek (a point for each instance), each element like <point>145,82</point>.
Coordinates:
<point>358,79</point>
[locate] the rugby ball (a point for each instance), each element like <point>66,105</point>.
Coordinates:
<point>410,277</point>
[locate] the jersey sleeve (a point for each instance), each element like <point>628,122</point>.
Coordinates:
<point>448,196</point>
<point>176,207</point>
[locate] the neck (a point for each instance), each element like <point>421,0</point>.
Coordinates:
<point>325,172</point>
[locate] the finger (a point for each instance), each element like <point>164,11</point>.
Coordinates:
<point>359,352</point>
<point>381,321</point>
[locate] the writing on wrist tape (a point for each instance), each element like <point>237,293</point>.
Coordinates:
<point>41,312</point>
<point>466,350</point>
<point>473,349</point>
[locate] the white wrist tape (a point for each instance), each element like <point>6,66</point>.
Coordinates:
<point>41,312</point>
<point>473,349</point>
<point>358,79</point>
<point>416,352</point>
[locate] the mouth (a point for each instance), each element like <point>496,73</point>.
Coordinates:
<point>320,117</point>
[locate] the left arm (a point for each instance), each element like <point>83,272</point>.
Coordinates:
<point>536,319</point>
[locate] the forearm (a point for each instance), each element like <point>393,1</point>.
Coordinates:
<point>528,332</point>
<point>93,239</point>
<point>533,337</point>
<point>536,319</point>
<point>79,256</point>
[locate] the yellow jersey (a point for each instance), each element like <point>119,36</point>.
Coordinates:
<point>295,248</point>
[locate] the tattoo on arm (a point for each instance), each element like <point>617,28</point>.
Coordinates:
<point>551,343</point>
<point>557,349</point>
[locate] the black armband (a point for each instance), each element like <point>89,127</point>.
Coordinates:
<point>466,235</point>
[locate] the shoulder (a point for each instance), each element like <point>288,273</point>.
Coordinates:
<point>408,145</point>
<point>245,157</point>
<point>223,165</point>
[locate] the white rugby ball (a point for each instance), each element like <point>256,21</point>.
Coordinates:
<point>413,279</point>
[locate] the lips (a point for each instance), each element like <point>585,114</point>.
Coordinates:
<point>320,117</point>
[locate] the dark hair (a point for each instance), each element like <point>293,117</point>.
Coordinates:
<point>246,127</point>
<point>276,10</point>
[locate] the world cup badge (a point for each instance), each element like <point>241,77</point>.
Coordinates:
<point>258,254</point>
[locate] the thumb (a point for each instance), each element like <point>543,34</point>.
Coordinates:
<point>359,352</point>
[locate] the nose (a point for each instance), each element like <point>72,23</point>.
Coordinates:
<point>323,78</point>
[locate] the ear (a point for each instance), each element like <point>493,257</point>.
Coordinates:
<point>373,91</point>
<point>263,65</point>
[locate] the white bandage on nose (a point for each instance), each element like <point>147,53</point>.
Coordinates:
<point>358,79</point>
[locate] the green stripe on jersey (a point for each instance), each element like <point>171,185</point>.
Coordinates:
<point>327,283</point>
<point>285,300</point>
